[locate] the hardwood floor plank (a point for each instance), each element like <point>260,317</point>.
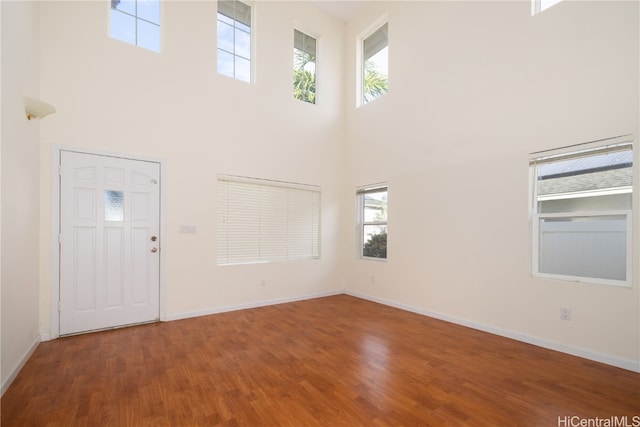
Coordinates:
<point>336,361</point>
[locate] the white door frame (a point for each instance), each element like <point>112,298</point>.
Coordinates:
<point>55,228</point>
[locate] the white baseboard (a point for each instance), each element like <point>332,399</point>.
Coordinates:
<point>20,365</point>
<point>254,304</point>
<point>629,364</point>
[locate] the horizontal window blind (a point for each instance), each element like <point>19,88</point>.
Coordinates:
<point>266,221</point>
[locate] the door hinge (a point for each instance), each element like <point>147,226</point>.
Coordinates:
<point>59,239</point>
<point>59,306</point>
<point>60,170</point>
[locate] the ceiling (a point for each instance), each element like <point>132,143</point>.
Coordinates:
<point>344,10</point>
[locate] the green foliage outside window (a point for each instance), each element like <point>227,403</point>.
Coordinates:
<point>304,76</point>
<point>375,83</point>
<point>376,246</point>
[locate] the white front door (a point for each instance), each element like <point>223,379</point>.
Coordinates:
<point>109,242</point>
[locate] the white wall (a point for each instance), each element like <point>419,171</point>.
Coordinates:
<point>20,187</point>
<point>173,106</point>
<point>474,87</point>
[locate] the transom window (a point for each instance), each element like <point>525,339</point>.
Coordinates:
<point>136,22</point>
<point>582,212</point>
<point>372,206</point>
<point>234,39</point>
<point>304,67</point>
<point>375,65</point>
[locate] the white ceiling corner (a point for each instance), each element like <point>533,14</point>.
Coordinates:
<point>344,10</point>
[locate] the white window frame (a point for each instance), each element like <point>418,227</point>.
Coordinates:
<point>137,19</point>
<point>368,32</point>
<point>361,223</point>
<point>317,44</point>
<point>536,217</point>
<point>252,40</point>
<point>276,235</point>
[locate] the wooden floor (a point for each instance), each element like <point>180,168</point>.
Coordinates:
<point>336,361</point>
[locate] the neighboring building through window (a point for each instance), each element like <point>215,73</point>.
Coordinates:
<point>234,39</point>
<point>136,22</point>
<point>304,67</point>
<point>265,221</point>
<point>582,212</point>
<point>538,6</point>
<point>372,206</point>
<point>375,65</point>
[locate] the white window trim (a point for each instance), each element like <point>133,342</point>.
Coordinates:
<point>375,26</point>
<point>136,17</point>
<point>536,217</point>
<point>308,30</point>
<point>252,60</point>
<point>316,36</point>
<point>361,223</point>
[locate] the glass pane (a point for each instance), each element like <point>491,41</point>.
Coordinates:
<point>123,27</point>
<point>374,241</point>
<point>149,10</point>
<point>242,15</point>
<point>304,76</point>
<point>376,81</point>
<point>225,37</point>
<point>148,36</point>
<point>113,205</point>
<point>224,18</point>
<point>585,164</point>
<point>225,63</point>
<point>375,206</point>
<point>126,6</point>
<point>303,42</point>
<point>594,247</point>
<point>375,42</point>
<point>589,182</point>
<point>586,203</point>
<point>243,69</point>
<point>243,44</point>
<point>242,27</point>
<point>375,65</point>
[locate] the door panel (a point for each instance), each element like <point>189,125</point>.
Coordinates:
<point>109,264</point>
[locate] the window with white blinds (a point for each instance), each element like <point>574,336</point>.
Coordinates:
<point>266,221</point>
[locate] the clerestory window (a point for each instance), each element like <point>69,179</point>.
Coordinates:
<point>375,65</point>
<point>136,22</point>
<point>234,39</point>
<point>304,67</point>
